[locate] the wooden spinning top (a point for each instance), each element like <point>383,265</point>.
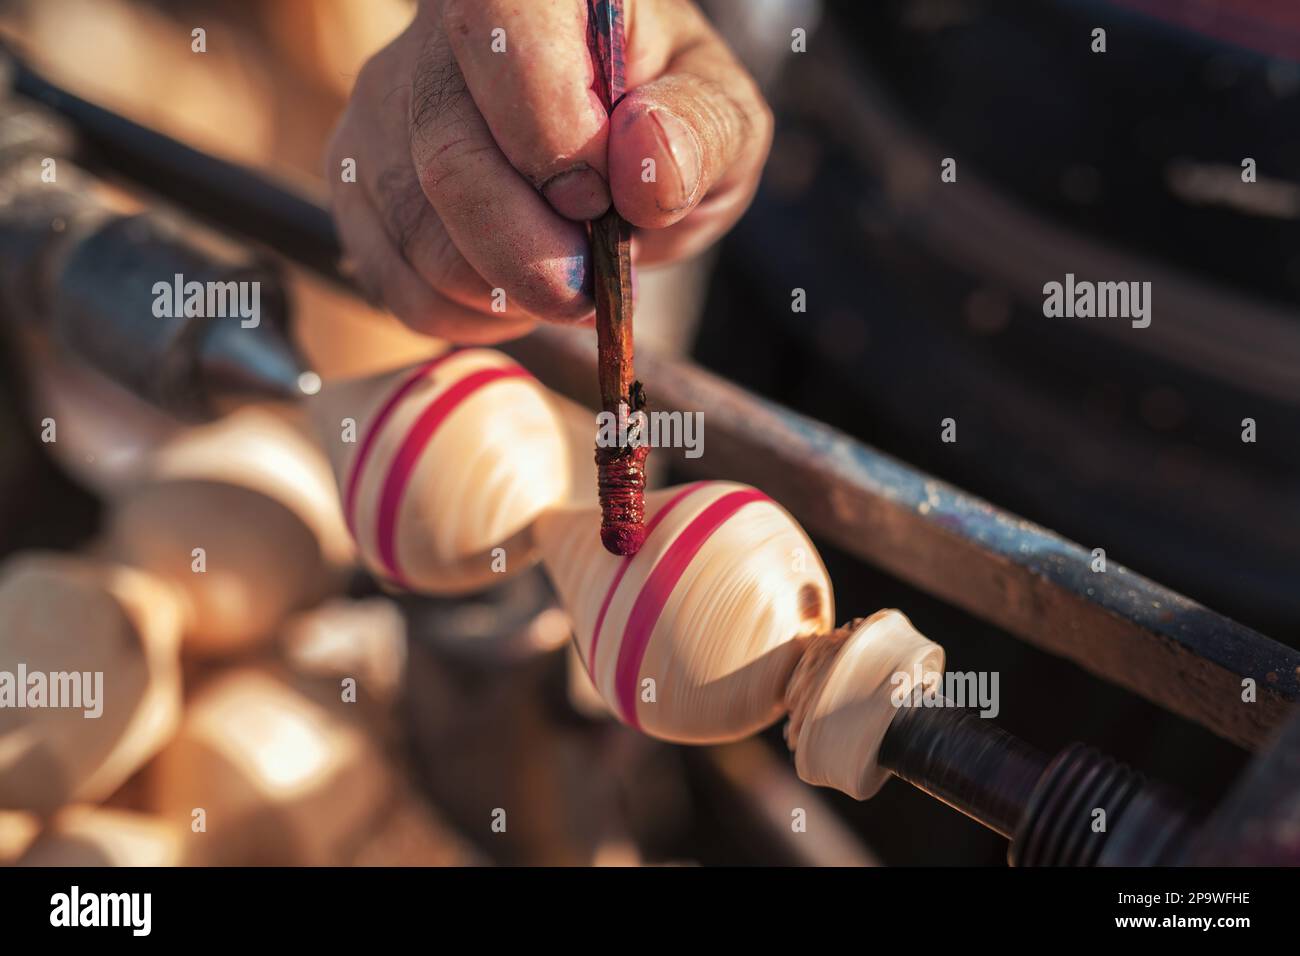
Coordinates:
<point>93,650</point>
<point>281,778</point>
<point>94,836</point>
<point>845,693</point>
<point>241,517</point>
<point>694,638</point>
<point>441,464</point>
<point>724,621</point>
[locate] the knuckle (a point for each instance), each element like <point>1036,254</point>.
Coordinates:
<point>541,153</point>
<point>456,17</point>
<point>404,209</point>
<point>452,161</point>
<point>437,90</point>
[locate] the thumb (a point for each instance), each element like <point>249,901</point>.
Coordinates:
<point>694,131</point>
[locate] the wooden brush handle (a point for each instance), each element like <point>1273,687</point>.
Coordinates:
<point>621,473</point>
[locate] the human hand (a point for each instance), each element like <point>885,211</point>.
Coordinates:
<point>480,149</point>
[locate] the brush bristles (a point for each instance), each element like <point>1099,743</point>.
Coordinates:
<point>621,476</point>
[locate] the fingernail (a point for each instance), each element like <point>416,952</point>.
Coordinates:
<point>576,274</point>
<point>578,193</point>
<point>680,143</point>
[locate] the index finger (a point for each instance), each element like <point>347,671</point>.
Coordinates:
<point>527,68</point>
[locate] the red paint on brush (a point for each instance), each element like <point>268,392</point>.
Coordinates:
<point>620,477</point>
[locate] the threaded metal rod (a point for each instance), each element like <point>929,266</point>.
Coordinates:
<point>1080,808</point>
<point>968,762</point>
<point>1090,810</point>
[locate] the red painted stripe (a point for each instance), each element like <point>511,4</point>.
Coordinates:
<point>659,587</point>
<point>622,570</point>
<point>367,443</point>
<point>413,445</point>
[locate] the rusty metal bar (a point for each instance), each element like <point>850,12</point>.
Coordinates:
<point>1119,625</point>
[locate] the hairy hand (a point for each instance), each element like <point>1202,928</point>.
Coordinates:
<point>476,166</point>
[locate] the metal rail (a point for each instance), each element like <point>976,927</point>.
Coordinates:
<point>1117,624</point>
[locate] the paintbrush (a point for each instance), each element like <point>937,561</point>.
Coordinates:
<point>621,467</point>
